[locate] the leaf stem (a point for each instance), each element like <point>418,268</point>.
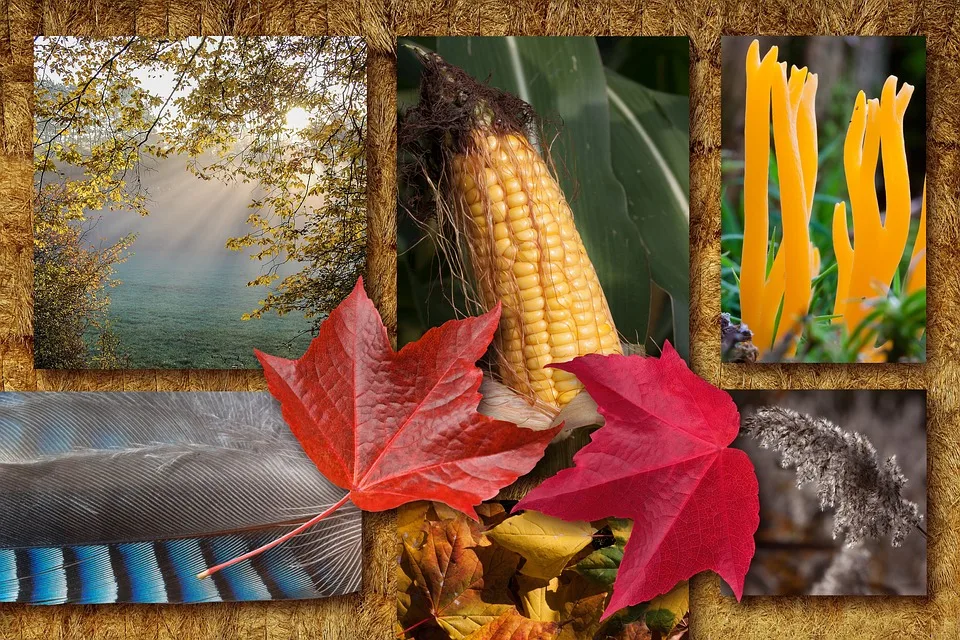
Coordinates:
<point>270,545</point>
<point>412,627</point>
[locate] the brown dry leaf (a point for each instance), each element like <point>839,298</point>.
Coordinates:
<point>410,519</point>
<point>410,531</point>
<point>634,631</point>
<point>492,513</point>
<point>581,603</point>
<point>444,512</point>
<point>538,597</point>
<point>581,618</point>
<point>513,626</point>
<point>450,587</point>
<point>404,593</point>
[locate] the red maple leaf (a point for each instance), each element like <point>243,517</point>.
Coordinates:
<point>662,459</point>
<point>394,427</point>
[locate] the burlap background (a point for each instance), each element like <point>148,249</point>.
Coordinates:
<point>370,614</point>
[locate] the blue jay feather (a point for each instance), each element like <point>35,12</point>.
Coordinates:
<point>125,497</point>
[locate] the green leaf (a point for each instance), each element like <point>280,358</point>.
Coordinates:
<point>650,146</point>
<point>563,79</point>
<point>665,611</point>
<point>602,565</point>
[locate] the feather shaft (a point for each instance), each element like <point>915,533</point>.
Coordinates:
<point>270,545</point>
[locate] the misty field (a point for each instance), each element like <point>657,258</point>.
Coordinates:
<point>174,316</point>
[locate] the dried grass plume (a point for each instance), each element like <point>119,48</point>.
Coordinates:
<point>865,492</point>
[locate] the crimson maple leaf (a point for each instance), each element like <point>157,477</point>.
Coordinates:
<point>662,459</point>
<point>394,427</point>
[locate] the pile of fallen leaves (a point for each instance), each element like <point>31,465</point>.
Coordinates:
<point>522,577</point>
<point>395,427</point>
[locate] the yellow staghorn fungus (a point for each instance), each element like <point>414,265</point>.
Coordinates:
<point>795,144</point>
<point>867,267</point>
<point>775,297</point>
<point>843,250</point>
<point>917,274</point>
<point>793,209</point>
<point>756,154</point>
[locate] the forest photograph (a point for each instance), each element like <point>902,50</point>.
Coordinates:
<point>194,199</point>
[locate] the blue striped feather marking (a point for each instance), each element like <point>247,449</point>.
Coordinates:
<point>185,562</point>
<point>91,575</point>
<point>9,582</point>
<point>240,581</point>
<point>49,580</point>
<point>145,576</point>
<point>158,571</point>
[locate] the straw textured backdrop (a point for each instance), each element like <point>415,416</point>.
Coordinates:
<point>370,615</point>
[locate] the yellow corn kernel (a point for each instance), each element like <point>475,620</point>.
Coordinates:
<point>531,293</point>
<point>521,225</point>
<point>527,235</point>
<point>518,212</point>
<point>512,186</point>
<point>555,254</point>
<point>528,252</point>
<point>565,351</point>
<point>557,289</point>
<point>499,211</point>
<point>534,304</point>
<point>521,269</point>
<point>516,199</point>
<point>534,316</point>
<point>587,331</point>
<point>539,362</point>
<point>553,307</point>
<point>566,384</point>
<point>564,338</point>
<point>588,345</point>
<point>530,282</point>
<point>541,337</point>
<point>540,375</point>
<point>542,386</point>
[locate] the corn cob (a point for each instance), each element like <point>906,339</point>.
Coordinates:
<point>527,254</point>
